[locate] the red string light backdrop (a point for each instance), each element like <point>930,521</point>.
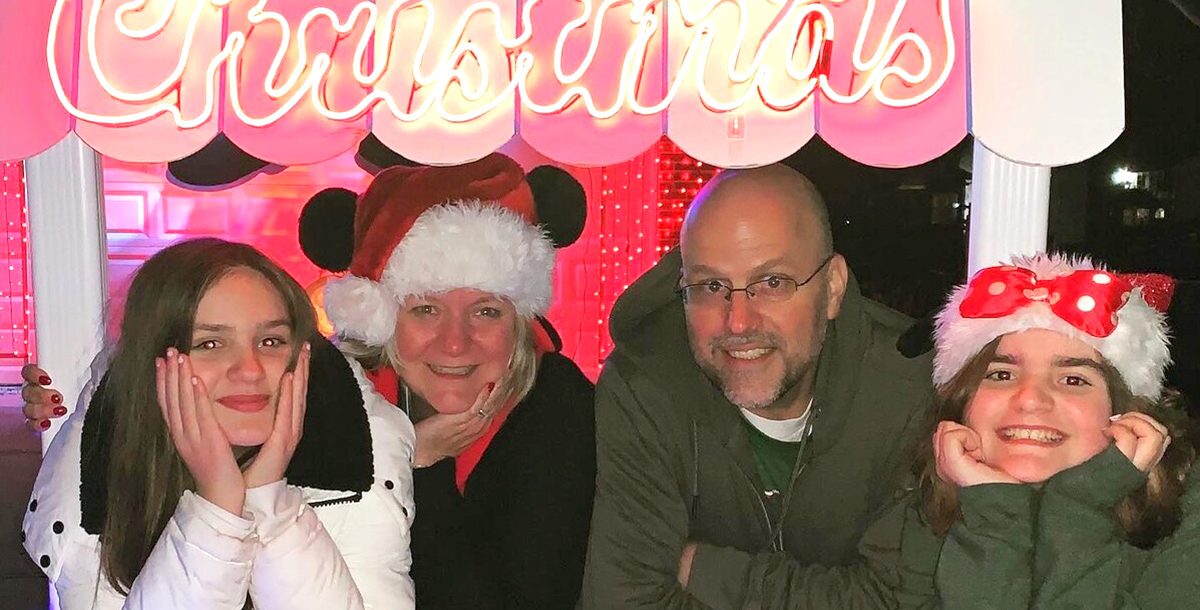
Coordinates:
<point>16,305</point>
<point>680,177</point>
<point>637,208</point>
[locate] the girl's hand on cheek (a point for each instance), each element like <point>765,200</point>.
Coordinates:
<point>202,445</point>
<point>1140,437</point>
<point>276,453</point>
<point>958,453</point>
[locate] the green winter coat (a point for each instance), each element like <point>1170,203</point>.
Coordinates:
<point>674,464</point>
<point>1019,547</point>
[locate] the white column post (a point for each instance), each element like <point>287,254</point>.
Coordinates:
<point>1010,209</point>
<point>66,239</point>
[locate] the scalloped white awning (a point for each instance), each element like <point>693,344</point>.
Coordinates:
<point>735,83</point>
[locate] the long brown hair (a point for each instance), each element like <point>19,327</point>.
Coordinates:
<point>1144,517</point>
<point>146,477</point>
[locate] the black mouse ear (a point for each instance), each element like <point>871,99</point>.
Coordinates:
<point>560,203</point>
<point>327,229</point>
<point>918,339</point>
<point>374,156</point>
<point>219,163</point>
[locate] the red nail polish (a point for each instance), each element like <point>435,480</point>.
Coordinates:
<point>45,424</point>
<point>44,380</point>
<point>491,386</point>
<point>60,411</point>
<point>55,398</point>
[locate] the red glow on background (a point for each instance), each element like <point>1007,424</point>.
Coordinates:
<point>635,211</point>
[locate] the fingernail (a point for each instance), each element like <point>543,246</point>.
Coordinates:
<point>45,425</point>
<point>491,386</point>
<point>308,347</point>
<point>179,359</point>
<point>59,411</point>
<point>195,380</point>
<point>44,380</point>
<point>55,398</point>
<point>1115,417</point>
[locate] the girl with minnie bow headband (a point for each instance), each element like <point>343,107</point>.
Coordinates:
<point>448,271</point>
<point>1057,473</point>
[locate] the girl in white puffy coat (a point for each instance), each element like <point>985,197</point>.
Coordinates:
<point>220,462</point>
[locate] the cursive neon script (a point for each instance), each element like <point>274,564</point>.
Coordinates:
<point>810,23</point>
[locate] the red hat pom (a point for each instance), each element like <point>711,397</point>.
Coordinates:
<point>1157,288</point>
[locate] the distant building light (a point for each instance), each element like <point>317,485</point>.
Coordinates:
<point>1124,178</point>
<point>1160,214</point>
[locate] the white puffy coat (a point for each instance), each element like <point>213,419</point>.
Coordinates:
<point>293,548</point>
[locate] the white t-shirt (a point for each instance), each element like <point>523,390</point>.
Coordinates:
<point>786,430</point>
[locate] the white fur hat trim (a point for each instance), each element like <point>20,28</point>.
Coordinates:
<point>455,245</point>
<point>1138,347</point>
<point>361,309</point>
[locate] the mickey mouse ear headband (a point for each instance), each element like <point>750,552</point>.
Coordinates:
<point>420,230</point>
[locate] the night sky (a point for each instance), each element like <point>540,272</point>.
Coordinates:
<point>908,256</point>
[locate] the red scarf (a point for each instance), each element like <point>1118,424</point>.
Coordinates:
<point>387,383</point>
<point>466,461</point>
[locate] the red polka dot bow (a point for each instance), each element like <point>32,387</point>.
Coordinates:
<point>1086,299</point>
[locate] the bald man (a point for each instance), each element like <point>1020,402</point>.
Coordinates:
<point>753,419</point>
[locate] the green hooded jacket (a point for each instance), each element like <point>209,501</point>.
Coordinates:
<point>1056,547</point>
<point>674,465</point>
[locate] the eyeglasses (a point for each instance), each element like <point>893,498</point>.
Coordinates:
<point>771,289</point>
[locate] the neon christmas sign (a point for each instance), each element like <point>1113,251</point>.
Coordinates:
<point>734,82</point>
<point>816,19</point>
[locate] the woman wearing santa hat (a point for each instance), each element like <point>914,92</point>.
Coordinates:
<point>1059,474</point>
<point>449,271</point>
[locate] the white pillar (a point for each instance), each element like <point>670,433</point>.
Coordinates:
<point>1010,208</point>
<point>64,193</point>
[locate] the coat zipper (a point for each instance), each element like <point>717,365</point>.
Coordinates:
<point>802,462</point>
<point>346,500</point>
<point>696,485</point>
<point>775,534</point>
<point>763,506</point>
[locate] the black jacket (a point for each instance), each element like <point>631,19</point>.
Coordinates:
<point>518,536</point>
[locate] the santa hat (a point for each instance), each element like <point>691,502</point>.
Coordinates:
<point>484,225</point>
<point>1069,295</point>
